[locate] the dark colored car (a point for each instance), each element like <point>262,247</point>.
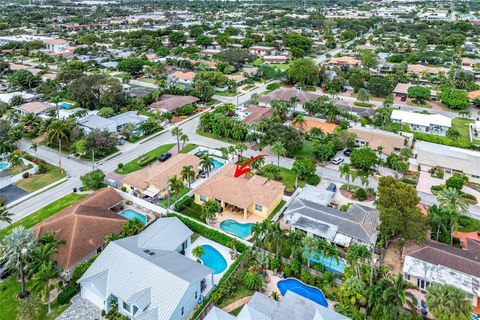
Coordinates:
<point>4,272</point>
<point>332,187</point>
<point>403,99</point>
<point>164,157</point>
<point>347,152</point>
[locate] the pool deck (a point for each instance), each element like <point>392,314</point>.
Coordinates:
<point>224,251</point>
<point>149,215</point>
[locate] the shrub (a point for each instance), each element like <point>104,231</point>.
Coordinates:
<point>361,194</point>
<point>344,207</point>
<point>145,160</point>
<point>436,188</point>
<point>456,181</point>
<point>68,293</point>
<point>409,181</point>
<point>184,202</point>
<point>363,104</point>
<point>120,165</point>
<point>123,188</point>
<point>313,179</point>
<point>42,167</point>
<point>442,140</point>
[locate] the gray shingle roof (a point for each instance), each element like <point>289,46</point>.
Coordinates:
<point>164,234</point>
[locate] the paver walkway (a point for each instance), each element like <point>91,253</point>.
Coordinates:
<point>234,305</point>
<point>81,309</point>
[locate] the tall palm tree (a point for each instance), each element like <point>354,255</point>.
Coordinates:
<point>30,121</point>
<point>206,163</point>
<point>184,138</point>
<point>17,247</point>
<point>187,174</point>
<point>310,244</point>
<point>293,102</point>
<point>58,131</point>
<point>450,198</point>
<point>259,230</point>
<point>175,185</point>
<point>225,152</point>
<point>177,132</point>
<point>34,147</point>
<point>274,236</point>
<point>299,120</point>
<point>240,148</point>
<point>294,243</point>
<point>279,150</point>
<point>5,216</point>
<point>395,295</point>
<point>41,281</point>
<point>333,254</point>
<point>448,302</point>
<point>347,172</point>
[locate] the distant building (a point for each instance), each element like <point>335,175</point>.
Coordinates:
<point>427,123</point>
<point>36,108</point>
<point>285,94</point>
<point>374,138</point>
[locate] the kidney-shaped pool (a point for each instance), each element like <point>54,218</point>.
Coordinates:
<point>300,288</point>
<point>213,259</point>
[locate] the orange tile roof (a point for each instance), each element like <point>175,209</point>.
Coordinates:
<point>83,225</point>
<point>474,94</point>
<point>240,192</point>
<point>311,123</point>
<point>185,75</point>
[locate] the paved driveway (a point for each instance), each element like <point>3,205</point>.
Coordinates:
<point>81,309</point>
<point>11,193</point>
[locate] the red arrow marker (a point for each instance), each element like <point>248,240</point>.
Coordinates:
<point>241,170</point>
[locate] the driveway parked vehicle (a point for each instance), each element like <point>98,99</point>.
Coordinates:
<point>337,160</point>
<point>164,157</point>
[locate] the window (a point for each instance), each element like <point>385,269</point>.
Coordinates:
<point>407,276</point>
<point>99,249</point>
<point>258,207</point>
<point>475,176</point>
<point>202,198</point>
<point>422,284</point>
<point>196,295</point>
<point>183,311</point>
<point>126,306</point>
<point>135,309</point>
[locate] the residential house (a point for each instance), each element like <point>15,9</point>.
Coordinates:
<point>344,61</point>
<point>437,262</point>
<point>468,64</point>
<point>255,114</point>
<point>286,94</point>
<point>131,117</point>
<point>147,275</point>
<point>35,107</point>
<point>421,70</point>
<point>181,78</point>
<point>94,122</point>
<point>170,102</point>
<point>84,226</point>
<point>375,138</point>
<point>401,90</point>
<point>237,78</point>
<point>56,45</point>
<point>261,51</point>
<point>275,59</point>
<point>450,159</point>
<point>210,52</point>
<point>152,180</point>
<point>311,123</point>
<point>429,123</point>
<point>255,195</point>
<point>292,306</point>
<point>356,226</point>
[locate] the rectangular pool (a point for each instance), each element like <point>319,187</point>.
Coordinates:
<point>217,164</point>
<point>132,214</point>
<point>64,105</point>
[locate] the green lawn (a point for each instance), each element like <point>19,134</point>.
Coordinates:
<point>467,224</point>
<point>173,198</point>
<point>188,148</point>
<point>212,136</point>
<point>307,151</point>
<point>134,166</point>
<point>274,212</point>
<point>236,311</point>
<point>228,93</point>
<point>281,66</point>
<point>287,177</point>
<point>194,211</point>
<point>461,125</point>
<point>239,293</point>
<point>44,212</point>
<point>40,180</point>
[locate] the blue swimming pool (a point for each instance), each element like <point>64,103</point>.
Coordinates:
<point>300,288</point>
<point>330,264</point>
<point>64,105</point>
<point>213,259</point>
<point>4,165</point>
<point>217,163</point>
<point>241,230</point>
<point>132,214</point>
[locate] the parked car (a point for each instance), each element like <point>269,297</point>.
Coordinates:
<point>164,157</point>
<point>202,174</point>
<point>337,160</point>
<point>347,152</point>
<point>4,272</point>
<point>332,187</point>
<point>403,99</point>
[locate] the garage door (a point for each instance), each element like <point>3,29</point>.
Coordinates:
<point>91,296</point>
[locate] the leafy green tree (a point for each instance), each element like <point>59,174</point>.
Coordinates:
<point>304,72</point>
<point>453,133</point>
<point>95,91</point>
<point>132,65</point>
<point>203,90</point>
<point>289,137</point>
<point>364,159</point>
<point>93,179</point>
<point>379,86</point>
<point>210,209</point>
<point>236,57</point>
<point>419,94</point>
<point>99,144</point>
<point>23,79</point>
<point>198,251</point>
<point>399,215</point>
<point>363,95</point>
<point>447,302</point>
<point>456,181</point>
<point>455,98</point>
<point>369,59</point>
<point>357,81</point>
<point>177,38</point>
<point>106,112</point>
<point>296,40</point>
<point>279,150</point>
<point>324,152</point>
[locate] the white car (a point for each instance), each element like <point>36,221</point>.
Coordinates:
<point>337,160</point>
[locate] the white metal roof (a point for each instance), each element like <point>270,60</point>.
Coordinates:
<point>421,119</point>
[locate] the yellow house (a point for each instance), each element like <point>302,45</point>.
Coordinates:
<point>256,195</point>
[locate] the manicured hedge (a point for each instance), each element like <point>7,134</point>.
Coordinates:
<point>211,234</point>
<point>363,104</point>
<point>443,140</point>
<point>145,161</point>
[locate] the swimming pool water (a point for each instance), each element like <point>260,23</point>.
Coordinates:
<point>131,214</point>
<point>241,230</point>
<point>4,165</point>
<point>213,259</point>
<point>300,288</point>
<point>217,164</point>
<point>329,263</point>
<point>64,105</point>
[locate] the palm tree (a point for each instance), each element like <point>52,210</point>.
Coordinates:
<point>274,236</point>
<point>56,100</point>
<point>184,138</point>
<point>395,295</point>
<point>225,152</point>
<point>333,254</point>
<point>210,209</point>
<point>362,95</point>
<point>299,120</point>
<point>448,302</point>
<point>240,148</point>
<point>58,131</point>
<point>206,163</point>
<point>175,185</point>
<point>279,150</point>
<point>128,129</point>
<point>187,174</point>
<point>259,230</point>
<point>310,244</point>
<point>198,251</point>
<point>177,132</point>
<point>294,243</point>
<point>346,170</point>
<point>112,237</point>
<point>42,278</point>
<point>450,198</point>
<point>5,216</point>
<point>293,102</point>
<point>17,247</point>
<point>34,147</point>
<point>30,121</point>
